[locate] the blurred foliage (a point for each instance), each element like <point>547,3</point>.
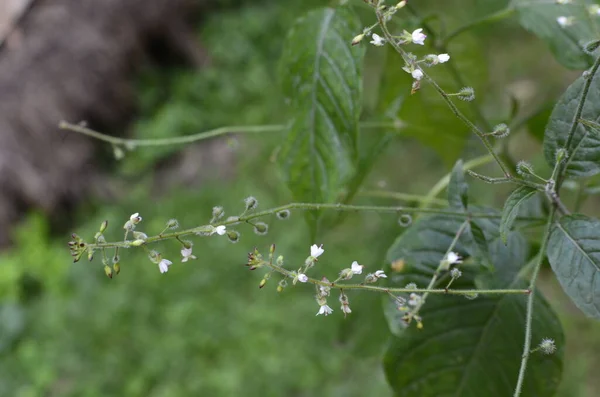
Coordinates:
<point>204,328</point>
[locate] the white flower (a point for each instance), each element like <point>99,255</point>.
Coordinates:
<point>380,274</point>
<point>594,10</point>
<point>302,278</point>
<point>221,230</point>
<point>414,299</point>
<point>418,37</point>
<point>163,265</point>
<point>316,251</point>
<point>135,218</point>
<point>377,40</point>
<point>356,268</point>
<point>417,74</point>
<point>453,258</point>
<point>346,309</point>
<point>326,310</point>
<point>187,254</point>
<point>563,1</point>
<point>564,21</point>
<point>443,58</point>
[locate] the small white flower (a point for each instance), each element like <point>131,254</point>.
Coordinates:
<point>186,253</point>
<point>163,265</point>
<point>563,1</point>
<point>316,251</point>
<point>443,58</point>
<point>418,37</point>
<point>326,310</point>
<point>414,299</point>
<point>377,40</point>
<point>594,10</point>
<point>417,74</point>
<point>135,218</point>
<point>221,230</point>
<point>356,268</point>
<point>453,258</point>
<point>302,278</point>
<point>380,274</point>
<point>564,21</point>
<point>346,309</point>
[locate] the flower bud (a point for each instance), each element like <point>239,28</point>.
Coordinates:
<point>140,236</point>
<point>108,271</point>
<point>501,131</point>
<point>346,274</point>
<point>358,39</point>
<point>261,228</point>
<point>90,255</point>
<point>251,203</point>
<point>466,94</point>
<point>281,286</point>
<point>279,260</point>
<point>455,273</point>
<point>103,226</point>
<point>262,283</point>
<point>400,4</point>
<point>116,268</point>
<point>547,346</point>
<point>172,224</point>
<point>137,243</point>
<point>233,236</point>
<point>218,212</point>
<point>524,168</point>
<point>283,214</point>
<point>118,153</point>
<point>561,155</point>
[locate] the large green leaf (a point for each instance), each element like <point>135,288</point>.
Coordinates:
<point>425,114</point>
<point>511,208</point>
<point>584,158</point>
<point>574,254</point>
<point>321,78</point>
<point>540,18</point>
<point>467,348</point>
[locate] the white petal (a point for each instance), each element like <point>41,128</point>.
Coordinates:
<point>418,37</point>
<point>443,58</point>
<point>316,250</point>
<point>356,268</point>
<point>221,230</point>
<point>417,74</point>
<point>302,278</point>
<point>380,274</point>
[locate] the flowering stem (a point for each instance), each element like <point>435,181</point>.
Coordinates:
<point>436,274</point>
<point>446,98</point>
<point>536,270</point>
<point>387,290</point>
<point>402,197</point>
<point>309,207</point>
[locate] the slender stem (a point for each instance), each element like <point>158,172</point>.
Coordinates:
<point>402,196</point>
<point>202,135</point>
<point>575,123</point>
<point>497,16</point>
<point>536,270</point>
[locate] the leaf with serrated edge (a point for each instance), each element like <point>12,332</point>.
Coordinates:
<point>511,208</point>
<point>467,348</point>
<point>321,77</point>
<point>584,159</point>
<point>540,18</point>
<point>574,254</point>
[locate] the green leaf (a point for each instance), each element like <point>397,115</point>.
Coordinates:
<point>467,348</point>
<point>321,78</point>
<point>458,189</point>
<point>480,245</point>
<point>584,156</point>
<point>511,209</point>
<point>540,18</point>
<point>574,254</point>
<point>425,112</point>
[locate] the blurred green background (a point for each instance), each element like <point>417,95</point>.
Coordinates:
<point>205,328</point>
